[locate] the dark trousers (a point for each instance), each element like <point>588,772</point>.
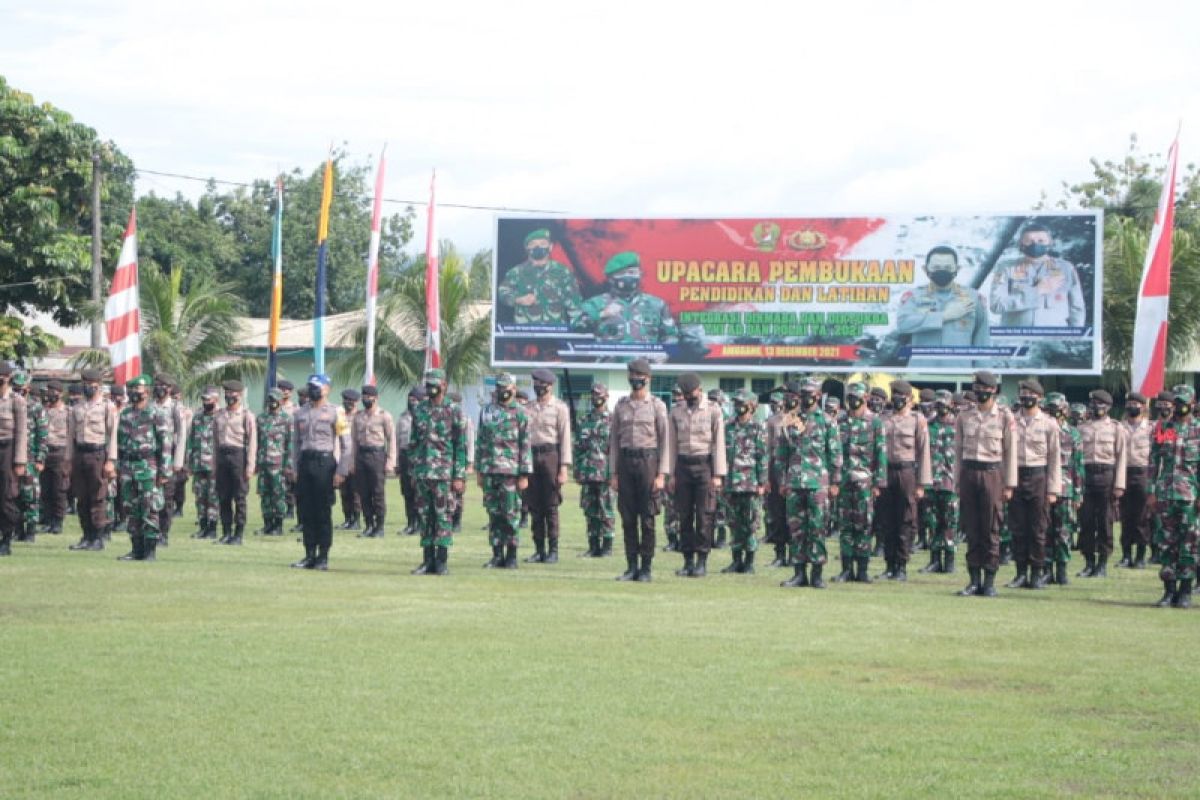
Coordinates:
<point>1135,520</point>
<point>314,499</point>
<point>695,503</point>
<point>91,491</point>
<point>54,484</point>
<point>544,496</point>
<point>407,489</point>
<point>636,503</point>
<point>1029,517</point>
<point>179,499</point>
<point>231,485</point>
<point>777,529</point>
<point>897,510</point>
<point>8,490</point>
<point>370,473</point>
<point>1096,513</point>
<point>980,501</point>
<point>349,498</point>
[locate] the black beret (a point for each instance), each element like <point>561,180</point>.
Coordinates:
<point>233,386</point>
<point>1135,397</point>
<point>6,368</point>
<point>792,387</point>
<point>1165,397</point>
<point>77,388</point>
<point>969,396</point>
<point>1101,395</point>
<point>285,384</point>
<point>350,394</point>
<point>640,366</point>
<point>689,381</point>
<point>928,395</point>
<point>370,391</point>
<point>117,391</point>
<point>986,378</point>
<point>543,375</point>
<point>417,392</point>
<point>91,374</point>
<point>55,385</point>
<point>163,379</point>
<point>1031,385</point>
<point>878,391</point>
<point>901,387</point>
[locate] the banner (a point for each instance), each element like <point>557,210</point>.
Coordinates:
<point>1016,293</point>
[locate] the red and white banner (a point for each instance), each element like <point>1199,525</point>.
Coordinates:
<point>122,321</point>
<point>373,270</point>
<point>1154,297</point>
<point>433,305</point>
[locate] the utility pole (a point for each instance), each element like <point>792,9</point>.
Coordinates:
<point>97,270</point>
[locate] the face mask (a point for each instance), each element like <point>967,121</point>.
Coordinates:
<point>274,405</point>
<point>942,277</point>
<point>160,392</point>
<point>693,400</point>
<point>210,406</point>
<point>503,395</point>
<point>741,408</point>
<point>1099,411</point>
<point>538,253</point>
<point>1028,402</point>
<point>854,402</point>
<point>599,402</point>
<point>1133,411</point>
<point>1035,250</point>
<point>314,392</point>
<point>231,399</point>
<point>136,397</point>
<point>899,403</point>
<point>808,400</point>
<point>53,398</point>
<point>637,383</point>
<point>791,402</point>
<point>982,396</point>
<point>540,389</point>
<point>1182,409</point>
<point>368,402</point>
<point>1163,409</point>
<point>875,404</point>
<point>433,389</point>
<point>626,284</point>
<point>926,408</point>
<point>90,391</point>
<point>942,408</point>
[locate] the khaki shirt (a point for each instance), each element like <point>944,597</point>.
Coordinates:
<point>550,423</point>
<point>403,431</point>
<point>1038,446</point>
<point>986,436</point>
<point>1138,436</point>
<point>181,423</point>
<point>697,431</point>
<point>639,425</point>
<point>375,428</point>
<point>56,425</point>
<point>323,429</point>
<point>237,428</point>
<point>908,440</point>
<point>92,422</point>
<point>14,426</point>
<point>1106,442</point>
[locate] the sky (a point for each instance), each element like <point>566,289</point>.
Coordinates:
<point>625,108</point>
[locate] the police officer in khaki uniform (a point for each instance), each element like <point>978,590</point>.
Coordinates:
<point>1135,518</point>
<point>1105,457</point>
<point>1039,485</point>
<point>14,454</point>
<point>351,513</point>
<point>321,442</point>
<point>986,474</point>
<point>638,456</point>
<point>550,440</point>
<point>92,454</point>
<point>373,436</point>
<point>235,434</point>
<point>776,505</point>
<point>55,476</point>
<point>696,441</point>
<point>909,473</point>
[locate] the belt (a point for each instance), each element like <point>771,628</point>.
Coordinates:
<point>981,466</point>
<point>1100,467</point>
<point>370,450</point>
<point>56,448</point>
<point>1034,470</point>
<point>636,452</point>
<point>699,459</point>
<point>902,465</point>
<point>316,454</point>
<point>230,448</point>
<point>544,448</point>
<point>6,442</point>
<point>135,455</point>
<point>1138,470</point>
<point>90,448</point>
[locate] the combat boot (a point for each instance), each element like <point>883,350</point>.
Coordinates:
<point>887,572</point>
<point>948,562</point>
<point>847,569</point>
<point>237,536</point>
<point>84,540</point>
<point>310,559</point>
<point>689,566</point>
<point>593,550</point>
<point>735,565</point>
<point>56,525</point>
<point>1126,557</point>
<point>1183,598</point>
<point>497,559</point>
<point>427,565</point>
<point>5,547</point>
<point>540,555</point>
<point>815,581</point>
<point>95,544</point>
<point>935,562</point>
<point>645,575</point>
<point>1168,597</point>
<point>797,580</point>
<point>31,531</point>
<point>701,569</point>
<point>631,573</point>
<point>1005,553</point>
<point>1140,561</point>
<point>1038,579</point>
<point>1060,573</point>
<point>225,535</point>
<point>989,584</point>
<point>510,558</point>
<point>1088,568</point>
<point>972,587</point>
<point>367,532</point>
<point>441,557</point>
<point>149,549</point>
<point>748,563</point>
<point>780,556</point>
<point>720,542</point>
<point>322,561</point>
<point>606,547</point>
<point>672,545</point>
<point>1020,581</point>
<point>552,554</point>
<point>900,572</point>
<point>137,550</point>
<point>864,567</point>
<point>1101,570</point>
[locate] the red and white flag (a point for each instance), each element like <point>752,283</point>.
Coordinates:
<point>433,305</point>
<point>122,322</point>
<point>373,270</point>
<point>1154,297</point>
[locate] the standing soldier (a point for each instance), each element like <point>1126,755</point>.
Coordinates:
<point>373,434</point>
<point>877,403</point>
<point>321,447</point>
<point>746,461</point>
<point>592,473</point>
<point>54,476</point>
<point>237,445</point>
<point>504,462</point>
<point>638,458</point>
<point>1176,490</point>
<point>1105,456</point>
<point>179,499</point>
<point>274,427</point>
<point>832,407</point>
<point>457,399</point>
<point>909,473</point>
<point>720,517</point>
<point>941,501</point>
<point>864,476</point>
<point>114,507</point>
<point>550,437</point>
<point>29,500</point>
<point>539,290</point>
<point>202,464</point>
<point>696,441</point>
<point>404,444</point>
<point>777,529</point>
<point>92,453</point>
<point>1164,411</point>
<point>926,404</point>
<point>175,411</point>
<point>1135,519</point>
<point>14,455</point>
<point>145,467</point>
<point>1064,515</point>
<point>439,455</point>
<point>810,448</point>
<point>666,500</point>
<point>350,509</point>
<point>1039,485</point>
<point>287,388</point>
<point>986,462</point>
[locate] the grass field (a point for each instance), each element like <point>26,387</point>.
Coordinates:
<point>219,672</point>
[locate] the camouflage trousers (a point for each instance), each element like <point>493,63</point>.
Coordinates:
<point>29,494</point>
<point>272,492</point>
<point>806,511</point>
<point>596,500</point>
<point>1005,527</point>
<point>1177,547</point>
<point>142,498</point>
<point>114,501</point>
<point>502,502</point>
<point>1064,527</point>
<point>855,521</point>
<point>204,489</point>
<point>666,501</point>
<point>833,520</point>
<point>721,514</point>
<point>436,504</point>
<point>939,518</point>
<point>744,516</point>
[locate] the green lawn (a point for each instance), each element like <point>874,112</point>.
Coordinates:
<point>219,672</point>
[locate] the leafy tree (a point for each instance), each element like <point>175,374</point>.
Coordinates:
<point>18,343</point>
<point>174,232</point>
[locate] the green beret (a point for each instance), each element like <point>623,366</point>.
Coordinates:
<point>943,396</point>
<point>506,379</point>
<point>20,377</point>
<point>435,374</point>
<point>857,389</point>
<point>810,385</point>
<point>746,397</point>
<point>540,233</point>
<point>622,261</point>
<point>1184,393</point>
<point>274,394</point>
<point>140,380</point>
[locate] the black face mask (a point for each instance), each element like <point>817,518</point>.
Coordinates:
<point>538,253</point>
<point>637,383</point>
<point>626,285</point>
<point>807,401</point>
<point>742,409</point>
<point>209,407</point>
<point>1098,411</point>
<point>1133,411</point>
<point>231,399</point>
<point>1182,409</point>
<point>1035,250</point>
<point>503,395</point>
<point>1164,409</point>
<point>160,392</point>
<point>433,389</point>
<point>875,404</point>
<point>53,398</point>
<point>368,402</point>
<point>314,392</point>
<point>692,400</point>
<point>982,396</point>
<point>941,408</point>
<point>90,391</point>
<point>540,389</point>
<point>791,402</point>
<point>942,277</point>
<point>273,405</point>
<point>854,402</point>
<point>1028,402</point>
<point>898,403</point>
<point>599,402</point>
<point>136,397</point>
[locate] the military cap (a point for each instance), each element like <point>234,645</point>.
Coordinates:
<point>351,394</point>
<point>599,390</point>
<point>1165,396</point>
<point>370,390</point>
<point>522,394</point>
<point>716,395</point>
<point>622,261</point>
<point>1032,385</point>
<point>689,382</point>
<point>927,395</point>
<point>211,391</point>
<point>274,394</point>
<point>55,385</point>
<point>986,378</point>
<point>20,377</point>
<point>454,397</point>
<point>163,379</point>
<point>1135,397</point>
<point>435,374</point>
<point>745,397</point>
<point>901,387</point>
<point>540,233</point>
<point>233,386</point>
<point>792,387</point>
<point>506,379</point>
<point>417,392</point>
<point>776,396</point>
<point>957,397</point>
<point>140,380</point>
<point>285,384</point>
<point>810,385</point>
<point>91,374</point>
<point>117,391</point>
<point>639,366</point>
<point>1101,396</point>
<point>943,396</point>
<point>833,401</point>
<point>856,389</point>
<point>969,396</point>
<point>75,388</point>
<point>877,391</point>
<point>1184,393</point>
<point>676,391</point>
<point>543,375</point>
<point>6,368</point>
<point>1056,400</point>
<point>1078,408</point>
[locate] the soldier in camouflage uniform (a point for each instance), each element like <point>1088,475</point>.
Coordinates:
<point>503,463</point>
<point>592,474</point>
<point>833,409</point>
<point>540,290</point>
<point>864,476</point>
<point>274,429</point>
<point>666,500</point>
<point>1176,488</point>
<point>721,511</point>
<point>114,503</point>
<point>776,505</point>
<point>809,447</point>
<point>144,466</point>
<point>624,314</point>
<point>746,479</point>
<point>940,504</point>
<point>30,495</point>
<point>1064,515</point>
<point>439,461</point>
<point>201,465</point>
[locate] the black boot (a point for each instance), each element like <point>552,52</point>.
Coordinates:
<point>606,547</point>
<point>847,569</point>
<point>85,541</point>
<point>540,555</point>
<point>510,557</point>
<point>427,565</point>
<point>440,566</point>
<point>5,546</point>
<point>1126,557</point>
<point>672,545</point>
<point>225,535</point>
<point>310,558</point>
<point>815,581</point>
<point>1088,568</point>
<point>864,567</point>
<point>1020,581</point>
<point>552,555</point>
<point>887,573</point>
<point>935,562</point>
<point>1060,573</point>
<point>237,536</point>
<point>1038,579</point>
<point>631,572</point>
<point>989,584</point>
<point>1168,594</point>
<point>1139,561</point>
<point>973,585</point>
<point>137,550</point>
<point>900,572</point>
<point>720,542</point>
<point>948,562</point>
<point>701,565</point>
<point>748,563</point>
<point>149,549</point>
<point>797,580</point>
<point>645,575</point>
<point>689,566</point>
<point>780,556</point>
<point>593,550</point>
<point>497,559</point>
<point>1183,598</point>
<point>1101,570</point>
<point>735,565</point>
<point>322,562</point>
<point>1005,553</point>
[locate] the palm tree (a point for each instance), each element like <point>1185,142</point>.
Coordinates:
<point>401,327</point>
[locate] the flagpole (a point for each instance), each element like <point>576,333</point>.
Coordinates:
<point>276,288</point>
<point>433,306</point>
<point>322,257</point>
<point>122,311</point>
<point>373,269</point>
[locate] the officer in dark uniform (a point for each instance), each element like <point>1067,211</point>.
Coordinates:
<point>321,440</point>
<point>350,507</point>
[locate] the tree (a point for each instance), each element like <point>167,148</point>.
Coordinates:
<point>18,343</point>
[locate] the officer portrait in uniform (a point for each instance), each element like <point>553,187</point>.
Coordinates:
<point>943,312</point>
<point>1039,289</point>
